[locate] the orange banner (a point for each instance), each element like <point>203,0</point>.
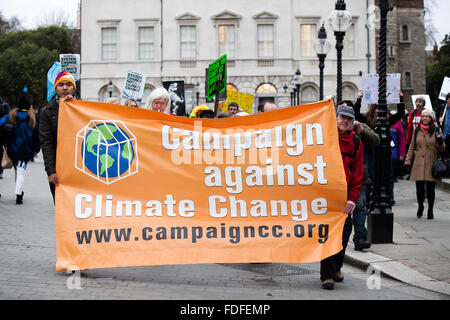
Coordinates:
<point>139,187</point>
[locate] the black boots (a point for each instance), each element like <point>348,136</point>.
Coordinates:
<point>430,214</point>
<point>361,244</point>
<point>420,210</point>
<point>19,198</point>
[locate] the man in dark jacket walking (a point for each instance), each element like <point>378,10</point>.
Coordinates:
<point>65,89</point>
<point>352,158</point>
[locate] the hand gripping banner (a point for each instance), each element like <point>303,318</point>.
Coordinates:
<point>139,187</point>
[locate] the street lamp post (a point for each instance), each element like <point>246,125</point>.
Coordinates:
<point>297,80</point>
<point>340,20</point>
<point>110,88</point>
<point>380,220</point>
<point>322,46</point>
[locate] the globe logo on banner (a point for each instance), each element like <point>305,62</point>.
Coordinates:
<point>106,150</point>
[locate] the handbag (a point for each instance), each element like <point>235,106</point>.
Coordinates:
<point>441,167</point>
<point>6,160</point>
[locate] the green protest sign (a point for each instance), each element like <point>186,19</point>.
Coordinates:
<point>217,76</point>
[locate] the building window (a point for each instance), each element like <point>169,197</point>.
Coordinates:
<point>405,33</point>
<point>188,42</point>
<point>309,94</point>
<point>231,87</point>
<point>109,43</point>
<point>308,32</point>
<point>265,41</point>
<point>349,92</point>
<point>349,42</point>
<point>227,43</point>
<point>146,43</point>
<point>408,79</point>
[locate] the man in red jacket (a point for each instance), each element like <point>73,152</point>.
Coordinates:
<point>352,158</point>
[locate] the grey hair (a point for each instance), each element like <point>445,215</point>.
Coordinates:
<point>157,94</point>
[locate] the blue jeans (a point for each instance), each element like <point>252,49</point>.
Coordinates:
<point>359,216</point>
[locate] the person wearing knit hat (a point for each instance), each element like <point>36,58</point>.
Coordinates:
<point>426,144</point>
<point>65,76</point>
<point>65,87</point>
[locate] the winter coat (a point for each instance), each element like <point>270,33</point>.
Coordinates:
<point>427,150</point>
<point>353,165</point>
<point>48,133</point>
<point>26,140</point>
<point>398,140</point>
<point>370,141</point>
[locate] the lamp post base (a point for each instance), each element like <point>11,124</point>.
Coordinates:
<point>380,226</point>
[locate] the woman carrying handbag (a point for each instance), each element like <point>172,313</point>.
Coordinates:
<point>426,143</point>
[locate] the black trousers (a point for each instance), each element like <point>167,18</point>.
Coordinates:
<point>430,193</point>
<point>52,189</point>
<point>333,264</point>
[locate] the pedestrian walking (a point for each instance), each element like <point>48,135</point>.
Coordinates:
<point>443,116</point>
<point>65,90</point>
<point>426,144</point>
<point>370,141</point>
<point>25,143</point>
<point>398,152</point>
<point>352,158</point>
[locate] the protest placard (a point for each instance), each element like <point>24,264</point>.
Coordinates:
<point>71,63</point>
<point>147,188</point>
<point>370,88</point>
<point>52,73</point>
<point>177,97</point>
<point>217,71</point>
<point>134,86</point>
<point>244,101</point>
<point>445,89</point>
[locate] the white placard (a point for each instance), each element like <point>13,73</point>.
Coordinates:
<point>428,104</point>
<point>134,86</point>
<point>370,88</point>
<point>445,88</point>
<point>71,63</point>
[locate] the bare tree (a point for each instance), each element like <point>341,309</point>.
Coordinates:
<point>430,29</point>
<point>8,25</point>
<point>55,17</point>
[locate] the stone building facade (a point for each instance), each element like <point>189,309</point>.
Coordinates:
<point>406,46</point>
<point>265,41</point>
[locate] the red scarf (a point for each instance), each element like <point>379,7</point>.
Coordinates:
<point>424,127</point>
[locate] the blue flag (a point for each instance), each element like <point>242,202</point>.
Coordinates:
<point>51,76</point>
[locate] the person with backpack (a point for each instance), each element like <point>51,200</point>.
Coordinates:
<point>352,158</point>
<point>25,142</point>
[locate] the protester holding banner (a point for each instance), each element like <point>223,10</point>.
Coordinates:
<point>352,158</point>
<point>159,101</point>
<point>65,89</point>
<point>443,116</point>
<point>426,143</point>
<point>25,143</point>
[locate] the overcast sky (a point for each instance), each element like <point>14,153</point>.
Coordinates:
<point>32,12</point>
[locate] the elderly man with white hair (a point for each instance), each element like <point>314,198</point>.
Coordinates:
<point>159,101</point>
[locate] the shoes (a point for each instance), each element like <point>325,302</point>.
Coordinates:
<point>19,198</point>
<point>328,284</point>
<point>420,211</point>
<point>339,277</point>
<point>430,214</point>
<point>361,244</point>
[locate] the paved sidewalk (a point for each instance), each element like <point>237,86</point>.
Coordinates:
<point>420,254</point>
